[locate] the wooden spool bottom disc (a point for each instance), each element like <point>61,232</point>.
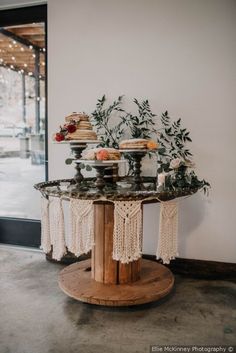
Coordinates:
<point>156,281</point>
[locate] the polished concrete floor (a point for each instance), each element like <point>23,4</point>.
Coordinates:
<point>36,317</point>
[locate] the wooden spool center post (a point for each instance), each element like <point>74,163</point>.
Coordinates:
<point>104,281</point>
<point>104,269</point>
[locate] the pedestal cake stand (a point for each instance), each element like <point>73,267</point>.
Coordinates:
<point>77,147</point>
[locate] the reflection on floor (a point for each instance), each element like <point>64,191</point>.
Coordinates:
<point>17,177</point>
<point>36,317</point>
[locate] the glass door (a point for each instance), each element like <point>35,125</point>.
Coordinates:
<point>23,123</point>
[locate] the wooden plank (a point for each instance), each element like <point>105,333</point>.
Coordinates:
<point>93,262</point>
<point>110,265</point>
<point>27,31</point>
<point>125,273</point>
<point>156,282</point>
<point>135,270</point>
<point>99,215</point>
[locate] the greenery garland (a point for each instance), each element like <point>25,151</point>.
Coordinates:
<point>174,159</point>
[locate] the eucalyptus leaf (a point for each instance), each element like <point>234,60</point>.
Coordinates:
<point>69,161</point>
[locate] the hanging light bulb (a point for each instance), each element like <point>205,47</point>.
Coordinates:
<point>10,45</point>
<point>31,47</point>
<point>13,58</point>
<point>25,65</point>
<point>22,49</point>
<point>14,42</point>
<point>11,66</point>
<point>33,55</point>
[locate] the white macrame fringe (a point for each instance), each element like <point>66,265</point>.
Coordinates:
<point>45,226</point>
<point>127,235</point>
<point>81,238</point>
<point>168,230</point>
<point>57,228</point>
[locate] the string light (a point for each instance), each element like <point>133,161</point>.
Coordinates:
<point>12,44</point>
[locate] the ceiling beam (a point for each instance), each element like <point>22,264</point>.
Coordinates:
<point>26,31</point>
<point>19,39</point>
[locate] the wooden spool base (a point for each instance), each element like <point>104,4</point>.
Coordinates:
<point>156,281</point>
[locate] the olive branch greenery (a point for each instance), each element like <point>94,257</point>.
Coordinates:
<point>113,122</point>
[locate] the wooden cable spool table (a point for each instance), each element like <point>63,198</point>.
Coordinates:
<point>104,281</point>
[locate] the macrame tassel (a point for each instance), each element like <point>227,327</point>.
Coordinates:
<point>127,235</point>
<point>168,230</point>
<point>57,228</point>
<point>45,226</point>
<point>81,238</point>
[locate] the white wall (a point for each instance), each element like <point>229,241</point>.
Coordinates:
<point>181,55</point>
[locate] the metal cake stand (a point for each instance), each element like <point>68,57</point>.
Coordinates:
<point>137,156</point>
<point>100,167</point>
<point>77,148</point>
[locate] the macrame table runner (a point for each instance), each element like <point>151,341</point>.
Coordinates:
<point>81,237</point>
<point>128,232</point>
<point>127,235</point>
<point>53,227</point>
<point>168,230</point>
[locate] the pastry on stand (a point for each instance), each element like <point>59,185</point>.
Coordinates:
<point>137,149</point>
<point>100,159</point>
<point>78,132</point>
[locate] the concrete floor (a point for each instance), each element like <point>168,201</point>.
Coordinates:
<point>37,317</point>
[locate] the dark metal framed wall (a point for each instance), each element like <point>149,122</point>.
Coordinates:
<point>17,231</point>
